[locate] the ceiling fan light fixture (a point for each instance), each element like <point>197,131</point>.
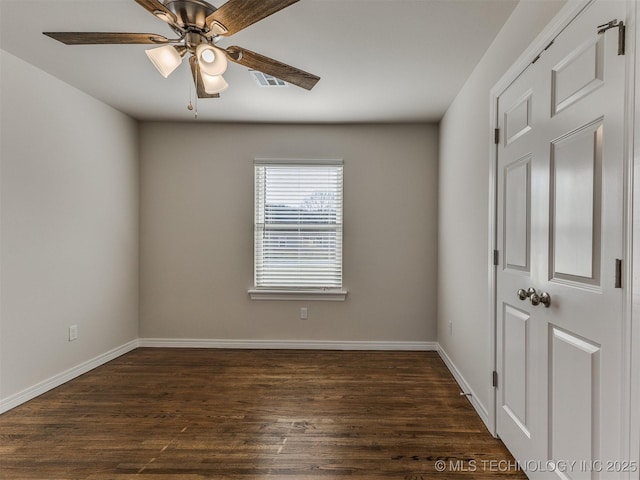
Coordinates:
<point>166,58</point>
<point>212,60</point>
<point>214,83</point>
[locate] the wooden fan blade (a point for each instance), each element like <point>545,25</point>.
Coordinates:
<point>96,38</point>
<point>272,67</point>
<point>159,10</point>
<point>235,15</point>
<point>197,79</point>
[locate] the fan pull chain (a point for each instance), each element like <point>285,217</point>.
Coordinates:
<point>196,97</point>
<point>190,106</point>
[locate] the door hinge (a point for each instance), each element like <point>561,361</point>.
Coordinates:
<point>618,273</point>
<point>495,379</point>
<point>621,32</point>
<point>496,258</point>
<point>496,136</point>
<point>540,54</point>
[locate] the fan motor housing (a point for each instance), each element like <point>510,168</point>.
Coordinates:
<point>193,39</point>
<point>191,13</point>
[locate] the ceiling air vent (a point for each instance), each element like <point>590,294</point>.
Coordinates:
<point>265,80</point>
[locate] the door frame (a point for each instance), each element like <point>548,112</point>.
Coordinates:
<point>633,304</point>
<point>631,313</point>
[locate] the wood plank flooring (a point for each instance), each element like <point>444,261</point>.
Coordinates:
<point>158,414</point>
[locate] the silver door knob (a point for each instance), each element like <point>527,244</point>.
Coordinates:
<point>543,298</point>
<point>535,299</point>
<point>524,294</point>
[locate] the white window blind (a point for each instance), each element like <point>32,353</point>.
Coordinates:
<point>298,224</point>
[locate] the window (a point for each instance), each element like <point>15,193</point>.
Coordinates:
<point>298,229</point>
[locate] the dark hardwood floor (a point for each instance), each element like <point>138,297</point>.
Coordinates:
<point>253,414</point>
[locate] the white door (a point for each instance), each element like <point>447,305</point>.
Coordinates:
<point>560,210</point>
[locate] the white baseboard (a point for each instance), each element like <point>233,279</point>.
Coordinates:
<point>286,344</point>
<point>464,386</point>
<point>57,380</point>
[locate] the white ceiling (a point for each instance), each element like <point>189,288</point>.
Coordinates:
<point>379,60</point>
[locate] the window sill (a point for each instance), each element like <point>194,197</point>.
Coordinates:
<point>333,295</point>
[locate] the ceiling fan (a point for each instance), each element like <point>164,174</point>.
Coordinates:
<point>200,26</point>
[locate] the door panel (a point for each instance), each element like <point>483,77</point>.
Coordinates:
<point>576,179</point>
<point>517,119</point>
<point>517,215</point>
<point>516,361</point>
<point>575,392</point>
<point>578,74</point>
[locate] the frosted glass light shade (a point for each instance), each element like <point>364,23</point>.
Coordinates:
<point>212,60</point>
<point>214,83</point>
<point>166,59</point>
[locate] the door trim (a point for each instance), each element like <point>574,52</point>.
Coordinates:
<point>631,317</point>
<point>633,248</point>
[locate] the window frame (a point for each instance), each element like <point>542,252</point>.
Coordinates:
<point>297,293</point>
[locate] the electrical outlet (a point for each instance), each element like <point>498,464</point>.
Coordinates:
<point>304,313</point>
<point>450,328</point>
<point>73,332</point>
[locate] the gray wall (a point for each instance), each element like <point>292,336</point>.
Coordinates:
<point>197,232</point>
<point>69,226</point>
<point>463,230</point>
